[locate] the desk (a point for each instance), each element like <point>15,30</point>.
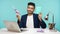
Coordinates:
<point>29,31</point>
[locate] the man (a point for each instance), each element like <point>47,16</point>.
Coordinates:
<point>31,20</point>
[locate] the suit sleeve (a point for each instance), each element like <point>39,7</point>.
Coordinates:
<point>42,24</point>
<point>21,23</point>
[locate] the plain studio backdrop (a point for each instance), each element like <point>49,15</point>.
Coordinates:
<point>7,12</point>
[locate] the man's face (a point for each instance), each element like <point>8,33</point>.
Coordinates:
<point>30,9</point>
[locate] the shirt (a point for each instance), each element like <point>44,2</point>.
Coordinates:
<point>30,23</point>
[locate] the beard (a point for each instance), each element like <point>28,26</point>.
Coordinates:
<point>30,12</point>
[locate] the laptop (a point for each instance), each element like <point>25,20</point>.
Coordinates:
<point>12,26</point>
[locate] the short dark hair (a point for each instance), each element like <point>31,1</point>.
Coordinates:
<point>31,3</point>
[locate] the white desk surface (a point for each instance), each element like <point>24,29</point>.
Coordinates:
<point>29,31</point>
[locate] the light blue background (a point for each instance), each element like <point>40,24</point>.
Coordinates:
<point>7,12</point>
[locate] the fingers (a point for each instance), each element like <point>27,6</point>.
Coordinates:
<point>18,17</point>
<point>40,16</point>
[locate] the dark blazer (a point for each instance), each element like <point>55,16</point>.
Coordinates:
<point>37,23</point>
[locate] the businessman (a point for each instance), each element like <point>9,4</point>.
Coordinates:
<point>31,20</point>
